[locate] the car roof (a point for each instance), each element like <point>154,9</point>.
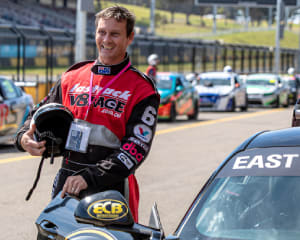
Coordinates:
<point>288,77</point>
<point>262,75</point>
<point>5,77</point>
<point>216,74</point>
<point>267,153</point>
<point>169,73</point>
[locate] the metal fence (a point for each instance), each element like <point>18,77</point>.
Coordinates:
<point>28,47</point>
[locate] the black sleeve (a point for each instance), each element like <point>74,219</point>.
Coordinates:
<point>135,146</point>
<point>53,96</point>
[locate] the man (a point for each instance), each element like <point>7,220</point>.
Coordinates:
<point>153,61</point>
<point>121,119</point>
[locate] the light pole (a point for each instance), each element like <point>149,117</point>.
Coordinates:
<point>277,47</point>
<point>152,17</point>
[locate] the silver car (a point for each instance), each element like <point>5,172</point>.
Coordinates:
<point>15,105</point>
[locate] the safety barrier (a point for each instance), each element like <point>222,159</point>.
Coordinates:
<point>24,47</point>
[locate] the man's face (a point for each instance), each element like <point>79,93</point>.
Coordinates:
<point>112,41</point>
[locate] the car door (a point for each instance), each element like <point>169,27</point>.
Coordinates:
<point>12,107</point>
<point>240,92</point>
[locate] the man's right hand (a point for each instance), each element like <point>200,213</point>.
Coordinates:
<point>30,145</point>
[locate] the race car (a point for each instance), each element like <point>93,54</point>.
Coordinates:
<point>177,96</point>
<point>296,114</point>
<point>15,105</point>
<point>266,89</point>
<point>291,82</point>
<point>221,91</point>
<point>253,194</point>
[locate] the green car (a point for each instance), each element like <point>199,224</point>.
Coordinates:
<point>266,90</point>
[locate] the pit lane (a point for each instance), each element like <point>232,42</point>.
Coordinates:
<point>183,156</point>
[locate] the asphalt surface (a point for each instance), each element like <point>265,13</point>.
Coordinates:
<point>183,155</point>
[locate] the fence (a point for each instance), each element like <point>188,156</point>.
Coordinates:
<point>24,47</point>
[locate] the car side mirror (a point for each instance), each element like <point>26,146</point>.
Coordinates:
<point>104,208</point>
<point>179,88</point>
<point>1,99</point>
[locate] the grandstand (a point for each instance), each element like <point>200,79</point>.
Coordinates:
<point>39,13</point>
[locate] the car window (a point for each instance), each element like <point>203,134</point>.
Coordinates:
<point>215,81</point>
<point>236,79</point>
<point>247,207</point>
<point>261,81</point>
<point>8,90</point>
<point>178,82</point>
<point>164,82</point>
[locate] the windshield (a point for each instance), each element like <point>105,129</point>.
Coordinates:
<point>290,82</point>
<point>258,208</point>
<point>262,82</point>
<point>215,81</point>
<point>164,82</point>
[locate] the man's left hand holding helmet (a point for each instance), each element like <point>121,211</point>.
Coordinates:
<point>115,116</point>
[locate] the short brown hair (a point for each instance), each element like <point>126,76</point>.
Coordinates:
<point>118,13</point>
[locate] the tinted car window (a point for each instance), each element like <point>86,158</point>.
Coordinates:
<point>234,208</point>
<point>216,81</point>
<point>8,90</point>
<point>164,82</point>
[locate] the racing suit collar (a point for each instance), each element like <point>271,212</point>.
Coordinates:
<point>101,69</point>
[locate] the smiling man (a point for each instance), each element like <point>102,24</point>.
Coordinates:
<point>114,107</point>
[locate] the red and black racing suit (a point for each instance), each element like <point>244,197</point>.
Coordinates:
<point>122,120</point>
<point>151,72</point>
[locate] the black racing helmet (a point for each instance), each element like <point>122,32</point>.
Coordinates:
<point>53,122</point>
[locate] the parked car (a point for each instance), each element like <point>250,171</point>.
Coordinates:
<point>15,105</point>
<point>253,194</point>
<point>266,89</point>
<point>178,96</point>
<point>221,91</point>
<point>296,114</point>
<point>292,83</point>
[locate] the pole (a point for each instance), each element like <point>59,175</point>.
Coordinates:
<point>247,18</point>
<point>214,18</point>
<point>270,17</point>
<point>80,44</point>
<point>152,17</point>
<point>277,47</point>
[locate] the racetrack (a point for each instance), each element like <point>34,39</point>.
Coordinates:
<point>183,156</point>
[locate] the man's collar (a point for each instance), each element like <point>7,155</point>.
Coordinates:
<point>101,69</point>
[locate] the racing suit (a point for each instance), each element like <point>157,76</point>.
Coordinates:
<point>122,121</point>
<point>151,72</point>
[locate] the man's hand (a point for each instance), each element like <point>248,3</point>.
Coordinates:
<point>73,185</point>
<point>30,145</point>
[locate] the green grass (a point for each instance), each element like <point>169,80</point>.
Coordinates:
<point>179,29</point>
<point>195,30</point>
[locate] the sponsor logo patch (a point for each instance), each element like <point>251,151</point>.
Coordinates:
<point>103,70</point>
<point>143,132</point>
<point>139,143</point>
<point>131,149</point>
<point>78,89</point>
<point>107,209</point>
<point>125,160</point>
